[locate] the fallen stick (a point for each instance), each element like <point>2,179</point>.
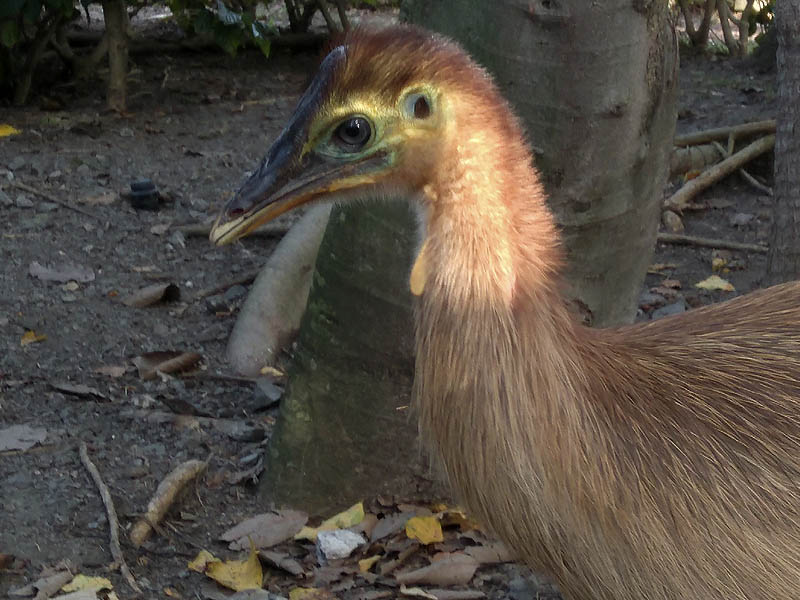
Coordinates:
<point>47,196</point>
<point>204,229</point>
<point>745,175</point>
<point>690,240</point>
<point>723,133</point>
<point>710,176</point>
<point>165,495</point>
<point>113,521</point>
<point>244,279</point>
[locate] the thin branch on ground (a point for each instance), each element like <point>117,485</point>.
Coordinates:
<point>113,521</point>
<point>166,493</point>
<point>710,176</point>
<point>722,133</point>
<point>243,279</point>
<point>745,175</point>
<point>47,196</point>
<point>690,240</point>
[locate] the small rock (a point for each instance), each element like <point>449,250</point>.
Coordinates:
<point>5,199</point>
<point>266,393</point>
<point>340,543</point>
<point>68,297</point>
<point>16,163</point>
<point>216,304</point>
<point>48,207</point>
<point>126,132</point>
<point>55,174</point>
<point>177,239</point>
<point>23,201</point>
<point>670,309</point>
<point>672,222</point>
<point>234,293</point>
<point>741,219</point>
<point>83,170</point>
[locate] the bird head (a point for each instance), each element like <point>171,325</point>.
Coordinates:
<point>373,122</point>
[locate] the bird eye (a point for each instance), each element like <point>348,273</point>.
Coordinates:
<point>418,106</point>
<point>353,133</point>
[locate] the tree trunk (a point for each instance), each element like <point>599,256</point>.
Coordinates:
<point>594,83</point>
<point>345,432</point>
<point>783,260</point>
<point>116,18</point>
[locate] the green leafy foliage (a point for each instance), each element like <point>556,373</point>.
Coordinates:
<point>230,25</point>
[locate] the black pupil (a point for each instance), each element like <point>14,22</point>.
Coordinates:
<point>354,132</point>
<point>421,108</point>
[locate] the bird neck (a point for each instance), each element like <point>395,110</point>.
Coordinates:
<point>497,351</point>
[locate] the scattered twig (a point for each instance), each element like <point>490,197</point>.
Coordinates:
<point>165,495</point>
<point>28,188</point>
<point>243,279</point>
<point>391,566</point>
<point>722,133</point>
<point>113,521</point>
<point>713,174</point>
<point>690,240</point>
<point>745,175</point>
<point>203,229</point>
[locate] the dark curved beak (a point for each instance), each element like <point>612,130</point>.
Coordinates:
<point>289,175</point>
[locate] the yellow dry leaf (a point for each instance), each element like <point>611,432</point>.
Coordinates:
<point>201,561</point>
<point>171,592</point>
<point>456,516</point>
<point>300,593</point>
<point>272,372</point>
<point>6,130</point>
<point>365,564</point>
<point>718,263</point>
<point>238,575</point>
<point>715,282</point>
<point>30,337</point>
<point>347,518</point>
<point>427,530</point>
<point>84,582</point>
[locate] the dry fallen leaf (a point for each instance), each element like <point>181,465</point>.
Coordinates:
<point>365,564</point>
<point>671,283</point>
<point>31,337</point>
<point>347,518</point>
<point>6,130</point>
<point>490,554</point>
<point>111,370</point>
<point>452,569</point>
<point>310,594</point>
<point>84,582</point>
<point>153,294</point>
<point>21,437</point>
<point>265,530</point>
<point>160,228</point>
<point>150,364</point>
<point>234,574</point>
<point>427,530</point>
<point>416,592</point>
<point>78,390</point>
<point>715,283</point>
<point>99,198</point>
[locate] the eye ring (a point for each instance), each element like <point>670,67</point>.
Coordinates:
<point>353,133</point>
<point>418,106</point>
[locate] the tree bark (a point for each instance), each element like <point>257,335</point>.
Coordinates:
<point>345,431</point>
<point>595,85</point>
<point>783,260</point>
<point>116,18</point>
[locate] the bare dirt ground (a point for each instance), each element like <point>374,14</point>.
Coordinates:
<point>197,123</point>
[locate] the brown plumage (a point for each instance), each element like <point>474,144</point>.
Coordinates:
<point>656,461</point>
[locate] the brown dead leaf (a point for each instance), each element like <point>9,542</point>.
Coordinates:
<point>389,525</point>
<point>153,294</point>
<point>161,228</point>
<point>78,390</point>
<point>490,554</point>
<point>150,364</point>
<point>671,283</point>
<point>281,560</point>
<point>111,370</point>
<point>454,569</point>
<point>265,530</point>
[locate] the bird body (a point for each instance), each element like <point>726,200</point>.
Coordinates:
<point>656,461</point>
